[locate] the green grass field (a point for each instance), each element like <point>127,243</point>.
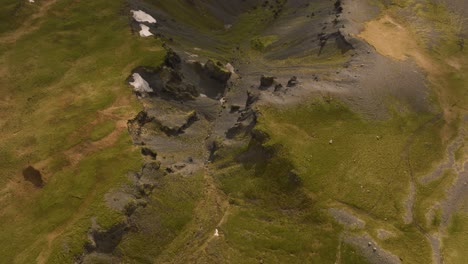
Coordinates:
<point>64,97</point>
<point>55,82</point>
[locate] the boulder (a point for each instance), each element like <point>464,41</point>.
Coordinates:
<point>267,81</point>
<point>148,152</point>
<point>172,59</point>
<point>217,71</point>
<point>293,81</point>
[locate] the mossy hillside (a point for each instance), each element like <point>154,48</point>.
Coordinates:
<point>58,80</point>
<point>271,217</point>
<point>430,195</point>
<point>456,240</point>
<point>84,195</point>
<point>54,85</point>
<point>262,42</point>
<point>349,255</point>
<point>13,13</point>
<point>365,166</point>
<point>167,217</point>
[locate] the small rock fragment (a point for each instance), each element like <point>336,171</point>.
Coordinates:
<point>292,82</point>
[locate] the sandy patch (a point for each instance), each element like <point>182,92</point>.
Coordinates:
<point>393,40</point>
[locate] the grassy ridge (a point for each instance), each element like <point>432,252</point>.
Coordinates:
<point>55,83</point>
<point>364,170</point>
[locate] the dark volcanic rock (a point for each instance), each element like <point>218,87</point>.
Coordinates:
<point>141,119</point>
<point>175,87</point>
<point>338,7</point>
<point>106,241</point>
<point>176,124</point>
<point>293,81</point>
<point>148,152</point>
<point>172,59</point>
<point>217,71</point>
<point>34,176</point>
<point>278,87</point>
<point>252,97</point>
<point>267,81</point>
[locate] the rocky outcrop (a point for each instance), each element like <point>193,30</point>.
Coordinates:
<point>266,81</point>
<point>217,71</point>
<point>176,124</point>
<point>292,82</point>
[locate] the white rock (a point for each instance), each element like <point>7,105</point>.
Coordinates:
<point>330,142</point>
<point>139,84</point>
<point>230,68</point>
<point>31,1</point>
<point>144,32</point>
<point>222,101</point>
<point>141,16</point>
<point>216,234</point>
<point>191,55</point>
<point>203,95</point>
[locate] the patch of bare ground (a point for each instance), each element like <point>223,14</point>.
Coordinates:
<point>397,41</point>
<point>30,24</point>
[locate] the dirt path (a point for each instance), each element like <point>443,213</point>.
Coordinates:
<point>28,25</point>
<point>45,253</point>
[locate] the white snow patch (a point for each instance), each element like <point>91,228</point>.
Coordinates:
<point>144,32</point>
<point>139,84</point>
<point>216,234</point>
<point>141,16</point>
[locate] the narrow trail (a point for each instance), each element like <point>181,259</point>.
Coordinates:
<point>45,253</point>
<point>28,25</point>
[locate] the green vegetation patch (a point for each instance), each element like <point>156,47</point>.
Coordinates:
<point>261,43</point>
<point>170,210</point>
<point>457,239</point>
<point>56,79</point>
<point>101,130</point>
<point>362,164</point>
